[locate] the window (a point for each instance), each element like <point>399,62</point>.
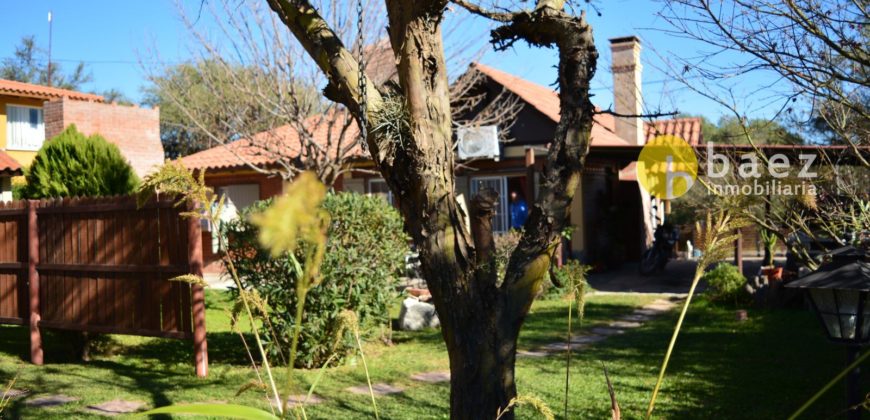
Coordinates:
<point>379,187</point>
<point>25,128</point>
<point>499,184</point>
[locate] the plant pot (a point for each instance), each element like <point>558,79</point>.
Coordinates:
<point>774,274</point>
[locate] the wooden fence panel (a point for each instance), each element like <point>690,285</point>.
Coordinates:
<point>13,278</point>
<point>100,265</point>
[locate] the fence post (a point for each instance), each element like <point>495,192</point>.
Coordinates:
<point>194,255</point>
<point>36,356</point>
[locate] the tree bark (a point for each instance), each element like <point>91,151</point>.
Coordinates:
<point>480,315</point>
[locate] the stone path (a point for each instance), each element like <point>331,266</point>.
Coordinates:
<point>597,334</point>
<point>432,377</point>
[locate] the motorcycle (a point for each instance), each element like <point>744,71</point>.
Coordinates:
<point>656,257</point>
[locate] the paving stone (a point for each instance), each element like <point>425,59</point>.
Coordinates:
<point>304,399</point>
<point>527,353</point>
<point>377,389</point>
<point>587,339</point>
<point>606,331</point>
<point>647,312</point>
<point>637,317</point>
<point>115,407</point>
<point>432,377</point>
<point>16,393</point>
<point>560,347</point>
<point>624,324</point>
<point>50,401</point>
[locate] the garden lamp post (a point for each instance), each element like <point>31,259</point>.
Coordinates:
<point>838,292</point>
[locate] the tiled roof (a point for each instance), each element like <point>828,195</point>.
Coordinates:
<point>687,128</point>
<point>10,87</point>
<point>270,147</point>
<point>546,101</point>
<point>9,166</point>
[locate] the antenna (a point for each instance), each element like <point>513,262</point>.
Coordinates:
<point>49,48</point>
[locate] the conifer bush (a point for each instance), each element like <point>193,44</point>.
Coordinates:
<point>72,164</point>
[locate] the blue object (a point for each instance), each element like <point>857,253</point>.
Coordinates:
<point>519,212</point>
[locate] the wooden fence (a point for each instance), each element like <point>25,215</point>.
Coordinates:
<point>101,265</point>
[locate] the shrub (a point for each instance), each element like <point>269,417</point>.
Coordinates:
<point>725,283</point>
<point>364,259</point>
<point>74,165</point>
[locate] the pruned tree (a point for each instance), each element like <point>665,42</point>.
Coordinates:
<point>481,314</point>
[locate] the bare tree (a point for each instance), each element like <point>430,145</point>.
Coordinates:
<point>816,53</point>
<point>481,314</point>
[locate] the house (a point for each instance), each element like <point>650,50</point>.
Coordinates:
<point>610,213</point>
<point>30,114</point>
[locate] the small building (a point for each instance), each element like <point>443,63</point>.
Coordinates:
<point>30,114</point>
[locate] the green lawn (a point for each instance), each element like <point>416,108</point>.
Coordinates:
<point>762,368</point>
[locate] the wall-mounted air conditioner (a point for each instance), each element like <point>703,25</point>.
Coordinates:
<point>478,142</point>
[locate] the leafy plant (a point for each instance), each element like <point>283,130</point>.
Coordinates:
<point>768,240</point>
<point>726,282</point>
<point>74,165</point>
<point>296,220</point>
<point>362,261</point>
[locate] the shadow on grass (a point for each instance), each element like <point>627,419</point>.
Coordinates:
<point>762,368</point>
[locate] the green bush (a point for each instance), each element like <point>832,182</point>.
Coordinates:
<point>364,258</point>
<point>74,165</point>
<point>725,283</point>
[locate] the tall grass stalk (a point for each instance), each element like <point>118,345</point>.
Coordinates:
<point>716,241</point>
<point>577,287</point>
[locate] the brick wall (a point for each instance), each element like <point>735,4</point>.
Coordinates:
<point>136,131</point>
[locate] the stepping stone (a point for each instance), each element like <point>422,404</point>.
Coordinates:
<point>377,389</point>
<point>624,324</point>
<point>606,331</point>
<point>647,312</point>
<point>432,377</point>
<point>50,401</point>
<point>15,393</point>
<point>588,339</point>
<point>115,407</point>
<point>304,399</point>
<point>637,317</point>
<point>527,353</point>
<point>559,347</point>
<point>660,305</point>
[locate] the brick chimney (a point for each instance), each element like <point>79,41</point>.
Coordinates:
<point>627,98</point>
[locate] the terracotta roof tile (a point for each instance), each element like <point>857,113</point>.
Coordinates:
<point>687,128</point>
<point>10,87</point>
<point>278,144</point>
<point>546,101</point>
<point>9,166</point>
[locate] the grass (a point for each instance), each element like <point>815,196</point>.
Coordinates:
<point>722,368</point>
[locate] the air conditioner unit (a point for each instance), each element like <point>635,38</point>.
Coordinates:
<point>477,142</point>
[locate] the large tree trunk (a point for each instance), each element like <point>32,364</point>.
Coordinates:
<point>481,314</point>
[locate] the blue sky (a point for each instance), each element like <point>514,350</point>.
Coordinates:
<point>111,36</point>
